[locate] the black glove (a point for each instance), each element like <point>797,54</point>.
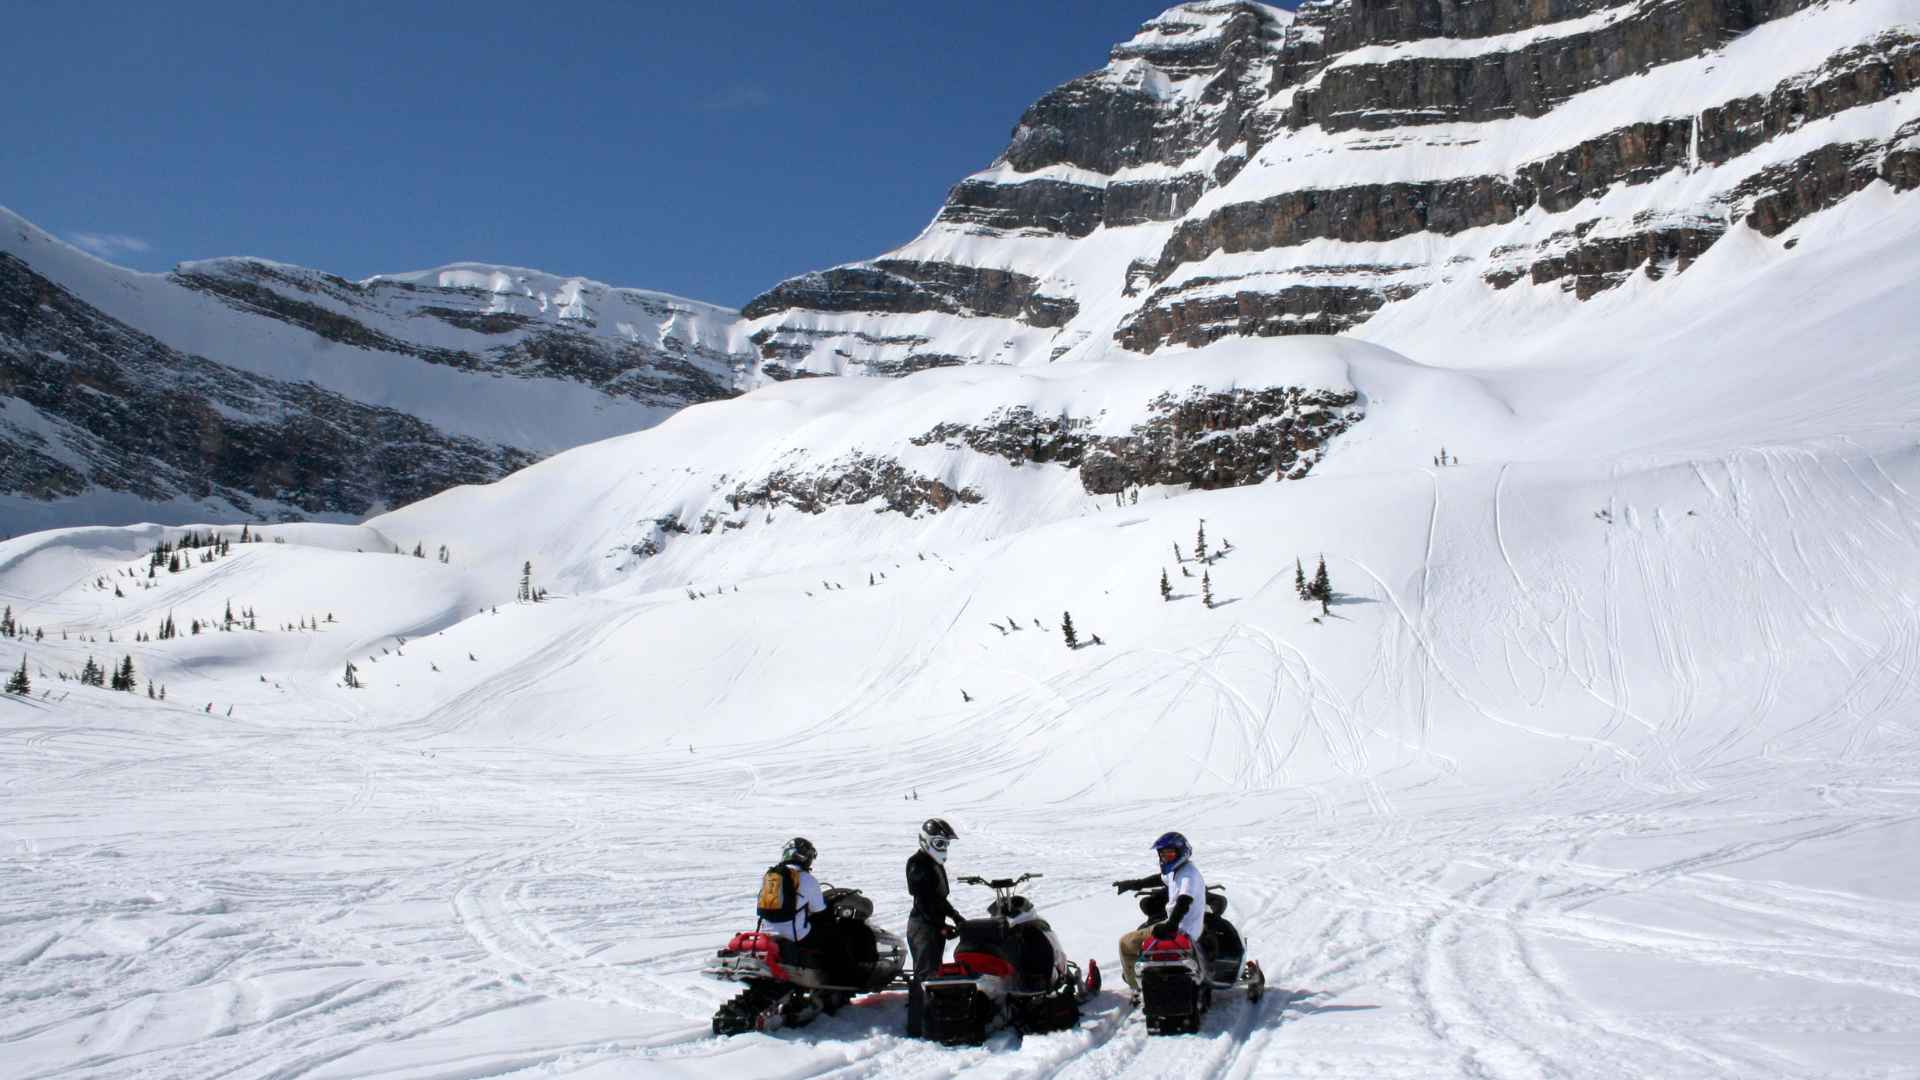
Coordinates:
<point>1122,886</point>
<point>1166,931</point>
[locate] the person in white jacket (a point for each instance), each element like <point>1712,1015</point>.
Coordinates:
<point>1186,904</point>
<point>807,899</point>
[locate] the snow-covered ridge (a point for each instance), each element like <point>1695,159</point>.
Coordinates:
<point>1227,174</point>
<point>510,374</point>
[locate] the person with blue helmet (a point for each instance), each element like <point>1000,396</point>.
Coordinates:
<point>1186,900</point>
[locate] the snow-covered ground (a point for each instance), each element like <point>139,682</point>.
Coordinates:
<point>1606,761</point>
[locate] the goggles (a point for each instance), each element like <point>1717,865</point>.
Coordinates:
<point>938,843</point>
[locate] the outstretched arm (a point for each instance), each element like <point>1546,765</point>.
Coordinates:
<point>1131,884</point>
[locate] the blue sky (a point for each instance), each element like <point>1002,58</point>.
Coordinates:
<point>703,149</point>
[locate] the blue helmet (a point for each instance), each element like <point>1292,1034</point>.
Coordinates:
<point>1177,844</point>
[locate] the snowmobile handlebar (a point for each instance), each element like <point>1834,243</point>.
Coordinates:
<point>999,883</point>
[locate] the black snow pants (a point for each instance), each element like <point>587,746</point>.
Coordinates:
<point>929,949</point>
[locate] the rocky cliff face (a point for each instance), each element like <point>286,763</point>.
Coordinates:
<point>1238,170</point>
<point>239,387</point>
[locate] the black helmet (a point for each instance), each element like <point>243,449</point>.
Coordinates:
<point>799,851</point>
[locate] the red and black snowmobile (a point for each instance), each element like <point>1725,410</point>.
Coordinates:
<point>1007,968</point>
<point>1174,990</point>
<point>790,982</point>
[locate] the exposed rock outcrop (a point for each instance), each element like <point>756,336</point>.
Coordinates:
<point>851,481</point>
<point>1202,439</point>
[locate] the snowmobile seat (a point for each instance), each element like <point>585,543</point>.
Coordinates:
<point>1217,899</point>
<point>850,904</point>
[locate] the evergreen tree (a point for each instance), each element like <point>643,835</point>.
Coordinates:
<point>1200,542</point>
<point>418,551</point>
<point>163,691</point>
<point>1176,552</point>
<point>352,678</point>
<point>128,681</point>
<point>19,683</point>
<point>229,621</point>
<point>1066,628</point>
<point>92,675</point>
<point>6,622</point>
<point>149,689</point>
<point>246,537</point>
<point>1300,581</point>
<point>1206,588</point>
<point>1166,587</point>
<point>1322,587</point>
<point>526,580</point>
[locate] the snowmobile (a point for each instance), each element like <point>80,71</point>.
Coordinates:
<point>790,982</point>
<point>1173,989</point>
<point>1007,968</point>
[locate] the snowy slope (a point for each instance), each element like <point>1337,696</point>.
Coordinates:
<point>1602,763</point>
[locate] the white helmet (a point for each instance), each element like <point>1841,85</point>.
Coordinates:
<point>935,835</point>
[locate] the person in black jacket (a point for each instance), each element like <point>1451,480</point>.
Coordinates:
<point>927,926</point>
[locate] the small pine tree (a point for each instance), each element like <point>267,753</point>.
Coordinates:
<point>229,620</point>
<point>149,689</point>
<point>18,683</point>
<point>196,626</point>
<point>6,622</point>
<point>1322,587</point>
<point>246,537</point>
<point>92,675</point>
<point>1300,580</point>
<point>1066,629</point>
<point>352,677</point>
<point>1200,542</point>
<point>1176,553</point>
<point>1166,587</point>
<point>1206,588</point>
<point>526,580</point>
<point>128,681</point>
<point>419,552</point>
